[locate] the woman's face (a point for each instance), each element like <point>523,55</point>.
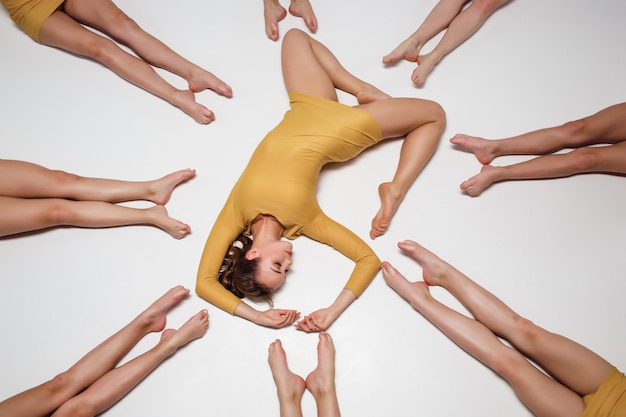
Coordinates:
<point>274,261</point>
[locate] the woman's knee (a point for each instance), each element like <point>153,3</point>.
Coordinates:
<point>584,159</point>
<point>295,35</point>
<point>506,362</point>
<point>60,212</point>
<point>59,389</point>
<point>487,7</point>
<point>76,407</point>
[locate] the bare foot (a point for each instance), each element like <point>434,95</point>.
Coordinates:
<point>425,64</point>
<point>483,149</point>
<point>478,183</point>
<point>408,49</point>
<point>434,269</point>
<point>160,218</point>
<point>389,203</point>
<point>161,190</point>
<point>303,9</point>
<point>413,292</point>
<point>154,316</point>
<point>273,13</point>
<point>322,380</point>
<point>201,79</point>
<point>290,386</point>
<point>194,328</point>
<point>370,94</point>
<point>186,101</point>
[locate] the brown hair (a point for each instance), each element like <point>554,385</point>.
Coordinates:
<point>238,273</point>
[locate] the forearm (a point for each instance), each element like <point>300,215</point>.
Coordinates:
<point>343,300</point>
<point>244,311</point>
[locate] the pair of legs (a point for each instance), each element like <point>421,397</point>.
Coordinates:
<point>94,383</point>
<point>64,29</point>
<point>579,370</point>
<point>310,68</point>
<point>608,126</point>
<point>447,14</point>
<point>274,13</point>
<point>320,382</point>
<point>33,197</point>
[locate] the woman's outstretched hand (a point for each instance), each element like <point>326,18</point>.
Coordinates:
<point>277,318</point>
<point>317,321</point>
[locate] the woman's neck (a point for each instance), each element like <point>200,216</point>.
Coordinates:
<point>266,227</point>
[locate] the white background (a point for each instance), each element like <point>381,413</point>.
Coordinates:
<point>552,249</point>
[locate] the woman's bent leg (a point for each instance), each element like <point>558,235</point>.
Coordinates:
<point>289,386</point>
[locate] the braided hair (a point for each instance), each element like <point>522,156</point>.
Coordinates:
<point>237,273</point>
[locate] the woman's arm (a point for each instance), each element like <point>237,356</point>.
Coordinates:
<point>326,230</point>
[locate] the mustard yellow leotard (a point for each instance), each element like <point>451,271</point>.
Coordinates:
<point>281,180</point>
<point>29,15</point>
<point>609,400</point>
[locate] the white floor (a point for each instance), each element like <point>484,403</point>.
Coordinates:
<point>551,249</point>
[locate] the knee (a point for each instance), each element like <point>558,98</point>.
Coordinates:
<point>584,159</point>
<point>485,7</point>
<point>576,130</point>
<point>59,388</point>
<point>64,181</point>
<point>506,363</point>
<point>60,212</point>
<point>295,35</point>
<point>76,407</point>
<point>123,27</point>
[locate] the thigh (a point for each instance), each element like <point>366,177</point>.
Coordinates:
<point>24,215</point>
<point>302,71</point>
<point>103,15</point>
<point>27,180</point>
<point>62,31</point>
<point>607,125</point>
<point>399,116</point>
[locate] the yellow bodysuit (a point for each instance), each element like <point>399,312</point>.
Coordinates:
<point>281,180</point>
<point>610,398</point>
<point>29,15</point>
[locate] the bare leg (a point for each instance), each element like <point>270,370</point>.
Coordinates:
<point>579,369</point>
<point>422,123</point>
<point>23,215</point>
<point>437,20</point>
<point>606,159</point>
<point>273,13</point>
<point>460,29</point>
<point>290,386</point>
<point>321,382</point>
<point>115,384</point>
<point>26,180</point>
<point>310,68</point>
<point>44,399</point>
<point>303,9</point>
<point>605,126</point>
<point>62,30</point>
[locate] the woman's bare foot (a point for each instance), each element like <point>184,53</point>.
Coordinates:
<point>425,64</point>
<point>409,49</point>
<point>389,203</point>
<point>154,316</point>
<point>321,382</point>
<point>273,13</point>
<point>186,101</point>
<point>413,292</point>
<point>194,328</point>
<point>290,386</point>
<point>160,190</point>
<point>478,183</point>
<point>201,79</point>
<point>369,94</point>
<point>483,149</point>
<point>303,9</point>
<point>160,218</point>
<point>434,269</point>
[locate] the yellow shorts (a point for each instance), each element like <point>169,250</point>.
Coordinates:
<point>609,400</point>
<point>29,15</point>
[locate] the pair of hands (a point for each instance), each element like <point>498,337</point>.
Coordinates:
<point>315,322</point>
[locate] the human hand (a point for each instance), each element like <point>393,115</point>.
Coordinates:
<point>277,318</point>
<point>317,321</point>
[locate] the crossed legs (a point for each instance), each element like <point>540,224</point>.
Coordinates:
<point>460,23</point>
<point>63,29</point>
<point>579,370</point>
<point>320,382</point>
<point>94,383</point>
<point>605,127</point>
<point>33,197</point>
<point>310,68</point>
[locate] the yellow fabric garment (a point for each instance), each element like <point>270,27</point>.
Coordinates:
<point>281,180</point>
<point>609,400</point>
<point>29,15</point>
